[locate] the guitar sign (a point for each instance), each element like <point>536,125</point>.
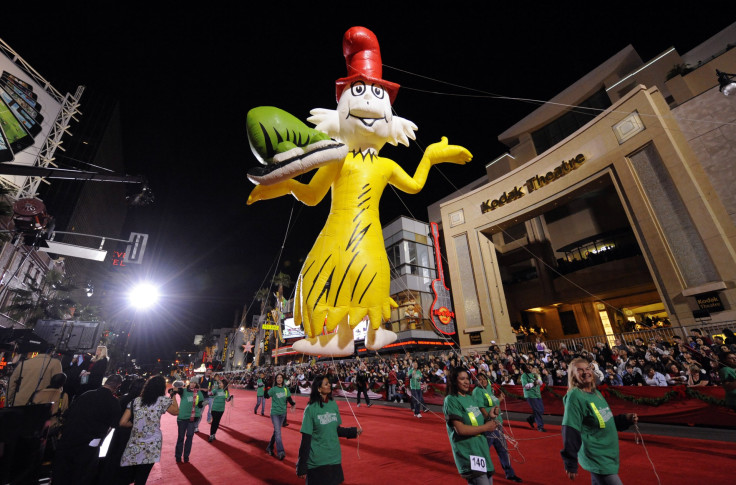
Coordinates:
<point>441,314</point>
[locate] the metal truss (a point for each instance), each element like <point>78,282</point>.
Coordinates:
<point>69,108</point>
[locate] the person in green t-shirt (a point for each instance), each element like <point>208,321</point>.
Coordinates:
<point>190,410</point>
<point>220,395</point>
<point>260,399</point>
<point>728,378</point>
<point>489,403</point>
<point>279,396</point>
<point>415,386</point>
<point>319,453</point>
<point>465,429</point>
<point>589,428</point>
<point>533,395</point>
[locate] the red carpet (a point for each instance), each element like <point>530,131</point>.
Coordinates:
<point>397,448</point>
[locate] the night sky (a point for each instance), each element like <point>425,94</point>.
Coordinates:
<point>185,80</point>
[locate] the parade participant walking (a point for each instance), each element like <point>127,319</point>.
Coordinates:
<point>206,384</point>
<point>489,403</point>
<point>220,396</point>
<point>143,416</point>
<point>190,410</point>
<point>361,384</point>
<point>415,385</point>
<point>589,428</point>
<point>279,396</point>
<point>319,453</point>
<point>465,428</point>
<point>260,398</point>
<point>533,395</point>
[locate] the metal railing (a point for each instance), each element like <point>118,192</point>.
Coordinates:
<point>587,343</point>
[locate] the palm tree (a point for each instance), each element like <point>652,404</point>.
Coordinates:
<point>262,296</point>
<point>282,280</point>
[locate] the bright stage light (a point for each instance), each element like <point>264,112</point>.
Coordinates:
<point>143,296</point>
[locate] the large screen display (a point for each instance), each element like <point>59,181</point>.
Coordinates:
<point>27,114</point>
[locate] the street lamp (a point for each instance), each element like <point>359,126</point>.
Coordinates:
<point>726,82</point>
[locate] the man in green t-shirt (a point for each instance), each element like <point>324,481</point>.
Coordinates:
<point>728,378</point>
<point>533,395</point>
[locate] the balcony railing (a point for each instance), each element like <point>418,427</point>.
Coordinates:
<point>628,338</point>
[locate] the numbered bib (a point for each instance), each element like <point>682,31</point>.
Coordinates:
<point>478,463</point>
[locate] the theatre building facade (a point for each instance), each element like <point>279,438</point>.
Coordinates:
<point>606,219</point>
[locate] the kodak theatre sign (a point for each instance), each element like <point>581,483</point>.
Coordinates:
<point>534,183</point>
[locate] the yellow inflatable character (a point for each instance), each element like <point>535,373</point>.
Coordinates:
<point>346,274</point>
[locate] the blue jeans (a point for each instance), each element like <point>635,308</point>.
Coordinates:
<point>260,402</point>
<point>417,400</point>
<point>538,409</point>
<point>391,392</point>
<point>277,421</point>
<point>498,441</point>
<point>596,479</point>
<point>186,427</point>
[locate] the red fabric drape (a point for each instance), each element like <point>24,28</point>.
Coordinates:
<point>680,409</point>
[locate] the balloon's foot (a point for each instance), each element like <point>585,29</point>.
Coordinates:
<point>325,345</point>
<point>379,338</point>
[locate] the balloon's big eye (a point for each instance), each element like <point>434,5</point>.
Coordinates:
<point>377,91</point>
<point>357,88</point>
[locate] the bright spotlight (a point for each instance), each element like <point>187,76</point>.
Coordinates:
<point>143,296</point>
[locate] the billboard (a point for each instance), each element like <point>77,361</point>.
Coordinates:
<point>27,115</point>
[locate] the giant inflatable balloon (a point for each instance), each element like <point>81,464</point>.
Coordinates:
<point>346,275</point>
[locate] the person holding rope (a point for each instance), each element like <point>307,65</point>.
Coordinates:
<point>589,428</point>
<point>220,396</point>
<point>279,396</point>
<point>465,429</point>
<point>533,395</point>
<point>489,403</point>
<point>319,453</point>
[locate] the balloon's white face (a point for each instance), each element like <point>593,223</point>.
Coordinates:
<point>365,116</point>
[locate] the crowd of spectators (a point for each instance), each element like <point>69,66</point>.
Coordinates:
<point>656,362</point>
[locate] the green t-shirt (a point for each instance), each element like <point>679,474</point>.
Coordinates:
<point>415,381</point>
<point>321,422</point>
<point>534,392</point>
<point>261,388</point>
<point>729,374</point>
<point>189,399</point>
<point>590,414</point>
<point>486,399</point>
<point>219,398</point>
<point>278,397</point>
<point>466,448</point>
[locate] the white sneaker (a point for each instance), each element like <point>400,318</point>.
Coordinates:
<point>358,405</point>
<point>419,415</point>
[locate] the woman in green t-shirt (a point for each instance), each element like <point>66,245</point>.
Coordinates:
<point>279,396</point>
<point>589,428</point>
<point>466,427</point>
<point>220,395</point>
<point>319,453</point>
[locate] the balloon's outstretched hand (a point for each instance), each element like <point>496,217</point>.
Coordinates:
<point>442,152</point>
